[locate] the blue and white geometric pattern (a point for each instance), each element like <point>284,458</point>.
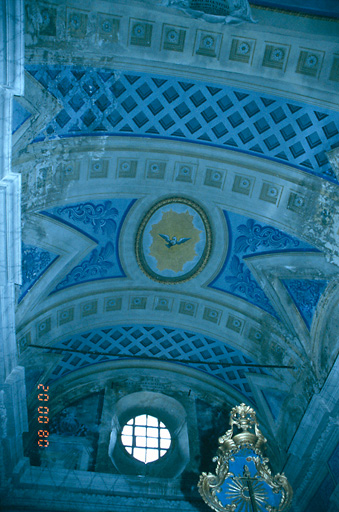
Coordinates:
<point>101,221</point>
<point>104,102</point>
<point>246,238</point>
<point>157,342</point>
<point>35,261</point>
<point>305,294</point>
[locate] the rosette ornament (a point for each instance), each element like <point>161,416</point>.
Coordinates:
<point>243,481</point>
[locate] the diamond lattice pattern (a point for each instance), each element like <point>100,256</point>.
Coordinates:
<point>158,342</point>
<point>99,101</point>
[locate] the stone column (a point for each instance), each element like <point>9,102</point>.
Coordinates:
<point>13,411</point>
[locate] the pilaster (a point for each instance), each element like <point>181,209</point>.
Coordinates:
<point>12,46</point>
<point>13,409</point>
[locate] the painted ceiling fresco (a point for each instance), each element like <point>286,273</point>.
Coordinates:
<point>35,261</point>
<point>247,238</point>
<point>102,221</point>
<point>305,294</point>
<point>157,342</point>
<point>154,248</point>
<point>174,240</point>
<point>312,7</point>
<point>104,102</point>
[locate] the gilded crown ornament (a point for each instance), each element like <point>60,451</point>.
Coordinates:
<point>243,482</point>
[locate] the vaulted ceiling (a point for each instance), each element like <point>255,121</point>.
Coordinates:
<point>140,125</point>
<point>327,8</point>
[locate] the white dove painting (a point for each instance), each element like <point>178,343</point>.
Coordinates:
<point>173,240</point>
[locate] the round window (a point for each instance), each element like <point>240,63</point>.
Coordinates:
<point>146,438</point>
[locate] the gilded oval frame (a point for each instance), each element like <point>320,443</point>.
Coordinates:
<point>198,267</point>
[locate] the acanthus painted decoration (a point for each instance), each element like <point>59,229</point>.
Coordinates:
<point>306,294</point>
<point>100,216</point>
<point>34,262</point>
<point>254,236</point>
<point>242,283</point>
<point>96,267</point>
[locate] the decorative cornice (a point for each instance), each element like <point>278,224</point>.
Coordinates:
<point>182,48</point>
<point>294,13</point>
<point>109,502</point>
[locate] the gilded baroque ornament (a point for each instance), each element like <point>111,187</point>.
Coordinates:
<point>174,241</point>
<point>243,481</point>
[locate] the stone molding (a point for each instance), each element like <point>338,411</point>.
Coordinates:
<point>256,50</point>
<point>8,347</point>
<point>12,45</point>
<point>12,377</point>
<point>10,234</point>
<point>5,131</point>
<point>244,338</point>
<point>43,108</point>
<point>14,418</point>
<point>81,152</point>
<point>108,502</point>
<point>16,402</point>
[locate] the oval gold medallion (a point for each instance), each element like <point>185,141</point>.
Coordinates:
<point>173,242</point>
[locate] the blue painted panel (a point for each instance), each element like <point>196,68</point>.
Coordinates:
<point>305,294</point>
<point>321,499</point>
<point>246,238</point>
<point>101,221</point>
<point>104,102</point>
<point>35,262</point>
<point>333,463</point>
<point>274,399</point>
<point>157,342</point>
<point>20,115</point>
<point>328,8</point>
<point>233,492</point>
